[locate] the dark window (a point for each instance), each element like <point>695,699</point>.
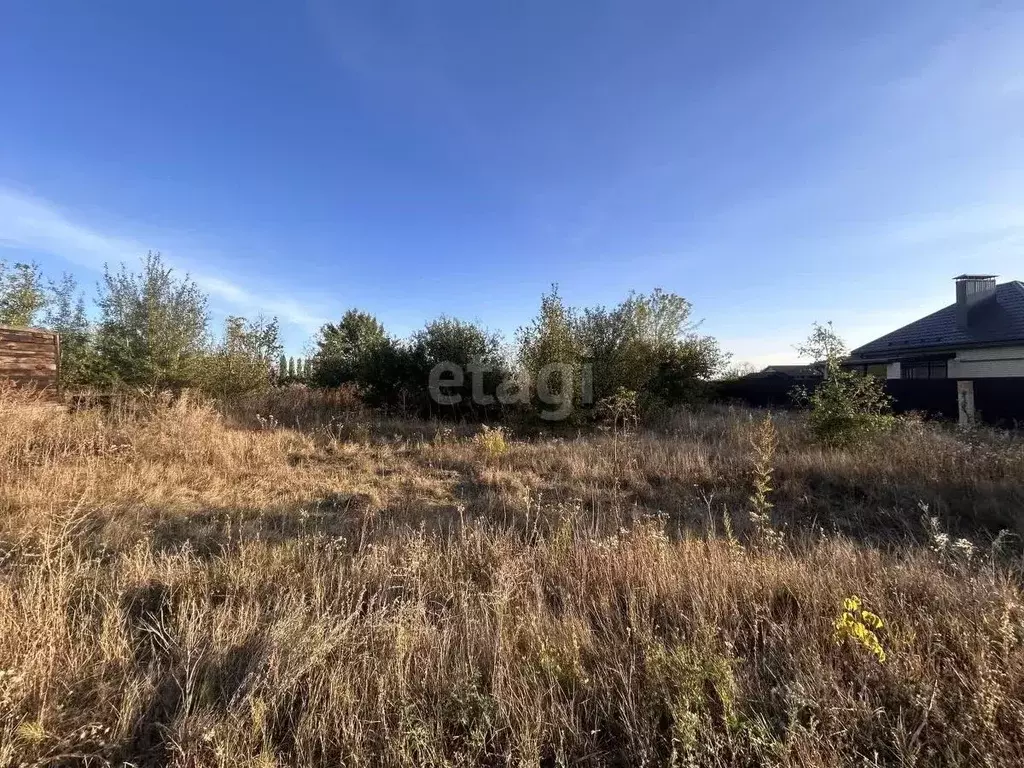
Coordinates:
<point>923,369</point>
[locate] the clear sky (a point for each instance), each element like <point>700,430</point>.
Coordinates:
<point>775,163</point>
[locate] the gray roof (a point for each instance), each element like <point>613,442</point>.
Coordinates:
<point>789,370</point>
<point>991,323</point>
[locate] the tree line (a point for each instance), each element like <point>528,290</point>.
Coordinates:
<point>151,329</point>
<point>647,350</point>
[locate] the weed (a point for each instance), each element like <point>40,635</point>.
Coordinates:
<point>857,624</point>
<point>765,442</point>
<point>491,441</point>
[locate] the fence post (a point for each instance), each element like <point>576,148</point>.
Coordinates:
<point>965,402</point>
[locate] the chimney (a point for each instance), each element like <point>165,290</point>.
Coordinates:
<point>972,290</point>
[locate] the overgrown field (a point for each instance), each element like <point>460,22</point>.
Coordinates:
<point>300,588</point>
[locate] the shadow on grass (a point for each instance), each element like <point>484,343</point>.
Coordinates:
<point>445,490</point>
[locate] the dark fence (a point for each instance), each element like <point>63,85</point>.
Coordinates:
<point>997,401</point>
<point>769,391</point>
<point>933,397</point>
<point>1000,401</point>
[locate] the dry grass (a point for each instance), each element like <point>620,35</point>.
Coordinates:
<point>178,590</point>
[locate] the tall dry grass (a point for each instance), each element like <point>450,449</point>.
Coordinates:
<point>176,589</point>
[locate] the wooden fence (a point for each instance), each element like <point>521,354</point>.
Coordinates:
<point>30,359</point>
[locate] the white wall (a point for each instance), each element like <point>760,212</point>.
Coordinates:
<point>987,363</point>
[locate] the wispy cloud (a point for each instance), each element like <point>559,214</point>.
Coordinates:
<point>34,224</point>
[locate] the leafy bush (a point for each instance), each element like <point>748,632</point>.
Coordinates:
<point>22,296</point>
<point>65,314</point>
<point>846,407</point>
<point>346,350</point>
<point>648,344</point>
<point>242,363</point>
<point>470,348</point>
<point>552,355</point>
<point>152,328</point>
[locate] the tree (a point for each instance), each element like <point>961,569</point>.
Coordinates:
<point>390,375</point>
<point>659,319</point>
<point>346,349</point>
<point>153,325</point>
<point>601,334</point>
<point>663,349</point>
<point>551,356</point>
<point>282,367</point>
<point>846,407</point>
<point>683,369</point>
<point>649,345</point>
<point>243,361</point>
<point>823,346</point>
<point>22,294</point>
<point>466,347</point>
<point>291,367</point>
<point>65,314</point>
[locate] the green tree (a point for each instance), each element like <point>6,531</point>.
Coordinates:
<point>683,370</point>
<point>474,352</point>
<point>846,407</point>
<point>648,344</point>
<point>552,356</point>
<point>345,351</point>
<point>600,333</point>
<point>65,314</point>
<point>22,294</point>
<point>282,367</point>
<point>291,367</point>
<point>392,376</point>
<point>824,347</point>
<point>243,361</point>
<point>658,319</point>
<point>153,326</point>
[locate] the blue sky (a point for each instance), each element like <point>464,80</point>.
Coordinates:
<point>775,163</point>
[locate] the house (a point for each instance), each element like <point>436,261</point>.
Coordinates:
<point>797,372</point>
<point>771,387</point>
<point>977,341</point>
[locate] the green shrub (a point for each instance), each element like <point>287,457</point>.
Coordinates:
<point>647,344</point>
<point>468,346</point>
<point>152,329</point>
<point>347,350</point>
<point>846,407</point>
<point>242,363</point>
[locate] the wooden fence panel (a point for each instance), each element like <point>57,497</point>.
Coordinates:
<point>30,359</point>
